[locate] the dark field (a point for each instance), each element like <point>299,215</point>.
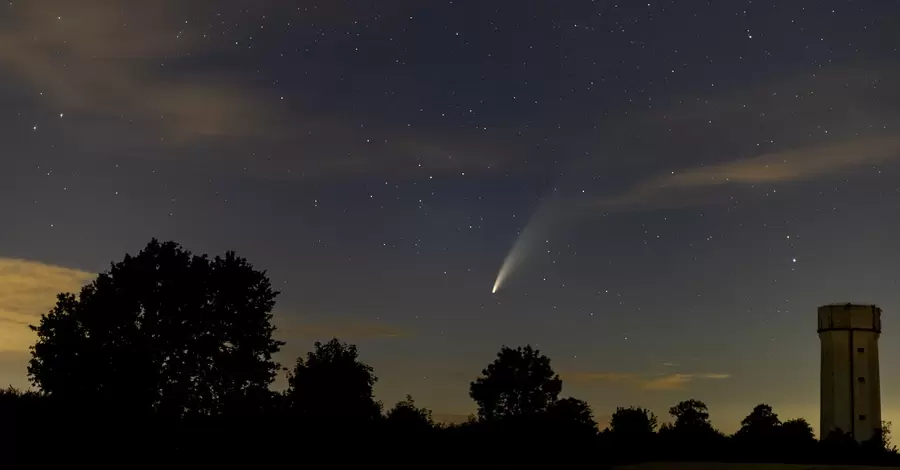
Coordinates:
<point>741,466</point>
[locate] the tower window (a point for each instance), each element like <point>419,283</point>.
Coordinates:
<point>861,380</point>
<point>862,417</point>
<point>860,350</point>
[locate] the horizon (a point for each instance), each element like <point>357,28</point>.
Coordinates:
<point>673,385</point>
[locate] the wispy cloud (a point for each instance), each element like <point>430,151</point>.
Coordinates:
<point>667,382</point>
<point>779,167</point>
<point>678,381</point>
<point>644,381</point>
<point>108,58</point>
<point>714,376</point>
<point>137,62</point>
<point>797,126</point>
<point>27,290</point>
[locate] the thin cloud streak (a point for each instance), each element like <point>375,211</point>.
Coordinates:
<point>645,382</point>
<point>789,166</point>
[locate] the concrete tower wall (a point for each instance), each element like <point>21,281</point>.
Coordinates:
<point>850,382</point>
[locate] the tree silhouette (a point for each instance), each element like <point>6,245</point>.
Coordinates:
<point>839,446</point>
<point>632,433</point>
<point>633,422</point>
<point>761,420</point>
<point>165,331</point>
<point>573,414</point>
<point>880,442</point>
<point>763,437</point>
<point>332,383</point>
<point>406,417</point>
<point>567,426</point>
<point>691,435</point>
<point>690,416</point>
<point>885,437</point>
<point>797,432</point>
<point>519,382</point>
<point>760,427</point>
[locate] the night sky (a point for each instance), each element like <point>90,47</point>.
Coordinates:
<point>684,182</point>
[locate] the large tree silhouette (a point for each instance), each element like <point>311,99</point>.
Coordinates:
<point>332,383</point>
<point>690,416</point>
<point>519,382</point>
<point>164,331</point>
<point>796,439</point>
<point>692,434</point>
<point>761,436</point>
<point>761,425</point>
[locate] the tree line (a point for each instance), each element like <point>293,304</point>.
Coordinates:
<point>168,356</point>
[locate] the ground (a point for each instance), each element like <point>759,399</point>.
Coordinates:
<point>740,466</point>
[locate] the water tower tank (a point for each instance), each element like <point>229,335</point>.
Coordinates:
<point>850,385</point>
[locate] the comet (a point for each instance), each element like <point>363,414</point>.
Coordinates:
<point>525,244</point>
<point>513,260</point>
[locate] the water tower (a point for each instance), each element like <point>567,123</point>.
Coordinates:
<point>851,390</point>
